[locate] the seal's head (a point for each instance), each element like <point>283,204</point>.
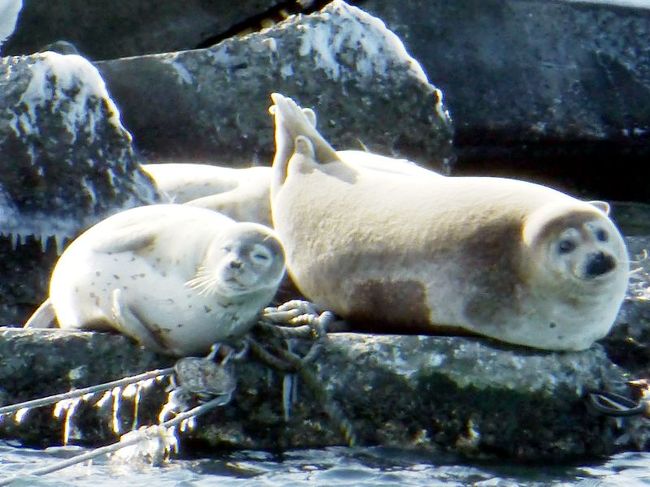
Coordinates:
<point>247,259</point>
<point>577,250</point>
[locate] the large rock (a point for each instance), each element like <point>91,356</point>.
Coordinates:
<point>129,28</point>
<point>556,91</point>
<point>66,162</point>
<point>432,393</point>
<point>213,104</point>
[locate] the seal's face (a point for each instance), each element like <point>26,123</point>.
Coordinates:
<point>247,259</point>
<point>585,252</point>
<point>580,249</point>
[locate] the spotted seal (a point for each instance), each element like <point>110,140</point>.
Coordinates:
<point>176,278</point>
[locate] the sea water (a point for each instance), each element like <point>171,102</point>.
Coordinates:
<point>322,467</point>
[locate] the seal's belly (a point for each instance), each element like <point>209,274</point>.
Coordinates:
<point>191,323</point>
<point>179,317</point>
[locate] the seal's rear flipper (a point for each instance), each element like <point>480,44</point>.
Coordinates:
<point>292,121</point>
<point>43,317</point>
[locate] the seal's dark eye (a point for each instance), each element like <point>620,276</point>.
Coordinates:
<point>565,246</point>
<point>262,257</point>
<point>602,235</point>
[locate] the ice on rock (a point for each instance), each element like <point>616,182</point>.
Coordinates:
<point>67,160</point>
<point>21,414</point>
<point>117,401</point>
<point>353,32</point>
<point>72,80</point>
<point>67,406</point>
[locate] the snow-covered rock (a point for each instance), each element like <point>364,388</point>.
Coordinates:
<point>66,162</point>
<point>213,104</point>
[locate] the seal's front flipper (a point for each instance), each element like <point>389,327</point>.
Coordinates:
<point>129,238</point>
<point>43,317</point>
<point>128,322</point>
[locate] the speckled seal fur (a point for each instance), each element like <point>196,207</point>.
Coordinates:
<point>176,278</point>
<point>508,259</point>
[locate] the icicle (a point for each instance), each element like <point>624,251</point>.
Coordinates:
<point>130,391</point>
<point>117,395</point>
<point>134,391</point>
<point>60,407</point>
<point>177,400</point>
<point>188,425</point>
<point>103,400</point>
<point>42,239</point>
<point>69,406</point>
<point>15,240</point>
<point>146,384</point>
<point>59,240</point>
<point>294,389</point>
<point>21,414</point>
<point>287,387</point>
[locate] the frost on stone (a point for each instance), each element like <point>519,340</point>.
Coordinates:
<point>182,73</point>
<point>345,41</point>
<point>344,34</point>
<point>71,84</point>
<point>66,161</point>
<point>9,10</point>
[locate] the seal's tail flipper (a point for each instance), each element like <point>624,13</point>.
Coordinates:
<point>290,122</point>
<point>43,317</point>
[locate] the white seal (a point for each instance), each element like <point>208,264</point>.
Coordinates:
<point>176,278</point>
<point>241,194</point>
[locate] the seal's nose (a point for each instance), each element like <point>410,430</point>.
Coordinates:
<point>599,263</point>
<point>235,264</point>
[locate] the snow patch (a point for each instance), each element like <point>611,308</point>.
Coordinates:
<point>69,85</point>
<point>184,76</point>
<point>220,55</point>
<point>372,45</point>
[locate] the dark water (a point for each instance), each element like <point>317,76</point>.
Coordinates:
<point>325,467</point>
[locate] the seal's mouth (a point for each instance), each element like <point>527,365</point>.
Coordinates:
<point>236,285</point>
<point>598,265</point>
